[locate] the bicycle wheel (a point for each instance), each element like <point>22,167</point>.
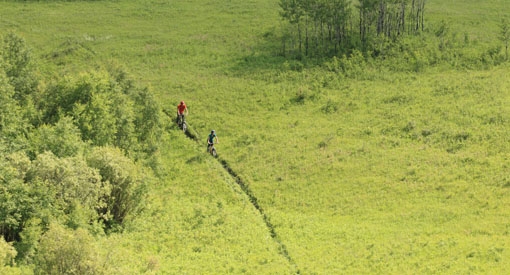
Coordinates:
<point>214,152</point>
<point>184,127</point>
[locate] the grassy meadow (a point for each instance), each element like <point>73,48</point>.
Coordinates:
<point>200,223</point>
<point>383,171</point>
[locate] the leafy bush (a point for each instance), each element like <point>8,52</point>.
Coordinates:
<point>12,123</point>
<point>64,251</point>
<point>20,200</point>
<point>63,139</point>
<point>18,65</point>
<point>105,111</point>
<point>350,66</point>
<point>330,107</point>
<point>124,178</point>
<point>7,253</point>
<point>148,120</point>
<point>72,180</point>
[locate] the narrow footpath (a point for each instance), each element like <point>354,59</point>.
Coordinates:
<point>253,200</point>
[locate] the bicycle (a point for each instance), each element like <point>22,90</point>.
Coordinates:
<point>212,151</point>
<point>181,121</point>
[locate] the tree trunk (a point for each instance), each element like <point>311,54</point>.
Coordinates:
<point>316,37</point>
<point>411,17</point>
<point>422,15</point>
<point>506,50</point>
<point>300,38</point>
<point>361,24</point>
<point>418,12</point>
<point>283,45</point>
<point>381,18</point>
<point>398,21</point>
<point>306,35</point>
<point>322,34</point>
<point>403,17</point>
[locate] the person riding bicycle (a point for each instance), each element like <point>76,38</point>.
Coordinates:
<point>180,112</point>
<point>210,141</point>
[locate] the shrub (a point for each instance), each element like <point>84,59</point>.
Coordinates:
<point>21,201</point>
<point>88,101</point>
<point>12,123</point>
<point>7,253</point>
<point>18,65</point>
<point>64,251</point>
<point>96,120</point>
<point>72,180</point>
<point>330,107</point>
<point>148,120</point>
<point>106,112</point>
<point>127,186</point>
<point>63,139</point>
<point>29,239</point>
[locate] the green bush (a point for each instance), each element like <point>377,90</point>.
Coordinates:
<point>124,178</point>
<point>12,123</point>
<point>148,120</point>
<point>64,251</point>
<point>72,180</point>
<point>7,253</point>
<point>63,139</point>
<point>106,112</point>
<point>21,200</point>
<point>18,65</point>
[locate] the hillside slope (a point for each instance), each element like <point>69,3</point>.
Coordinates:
<point>384,172</point>
<point>197,220</point>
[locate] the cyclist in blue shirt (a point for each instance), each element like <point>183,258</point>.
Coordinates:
<point>210,141</point>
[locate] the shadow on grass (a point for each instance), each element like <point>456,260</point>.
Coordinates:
<point>267,57</point>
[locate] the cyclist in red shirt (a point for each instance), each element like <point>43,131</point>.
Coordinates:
<point>181,108</point>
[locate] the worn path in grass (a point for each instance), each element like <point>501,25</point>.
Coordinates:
<point>197,220</point>
<point>253,200</point>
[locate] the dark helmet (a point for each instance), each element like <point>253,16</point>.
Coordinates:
<point>212,131</point>
<point>182,102</point>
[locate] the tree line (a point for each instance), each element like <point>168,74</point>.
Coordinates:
<point>322,27</point>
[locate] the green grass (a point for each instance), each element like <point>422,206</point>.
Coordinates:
<point>198,221</point>
<point>387,173</point>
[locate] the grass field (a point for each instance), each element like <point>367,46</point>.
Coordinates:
<point>384,173</point>
<point>198,221</point>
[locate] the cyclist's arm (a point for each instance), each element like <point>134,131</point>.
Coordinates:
<point>186,110</point>
<point>217,141</point>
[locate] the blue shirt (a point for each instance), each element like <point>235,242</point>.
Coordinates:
<point>211,138</point>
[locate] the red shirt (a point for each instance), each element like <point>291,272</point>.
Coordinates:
<point>181,108</point>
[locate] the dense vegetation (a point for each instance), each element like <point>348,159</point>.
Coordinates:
<point>329,25</point>
<point>64,148</point>
<point>384,158</point>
